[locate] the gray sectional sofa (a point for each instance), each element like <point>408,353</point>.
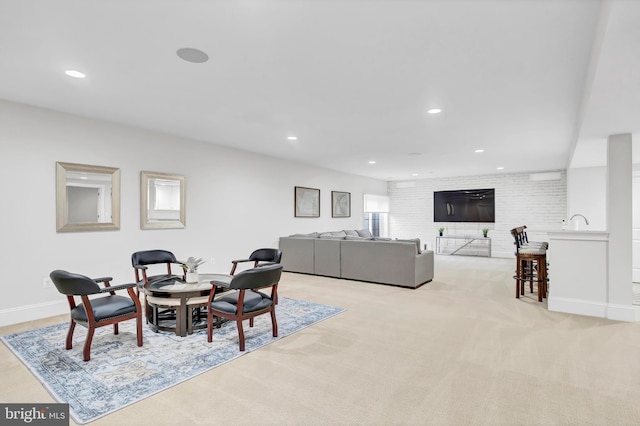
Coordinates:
<point>355,255</point>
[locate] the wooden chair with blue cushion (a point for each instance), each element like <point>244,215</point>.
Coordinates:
<point>98,311</point>
<point>246,302</point>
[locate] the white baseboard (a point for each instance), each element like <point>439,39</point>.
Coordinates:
<point>32,312</point>
<point>610,311</point>
<point>577,306</point>
<point>621,312</point>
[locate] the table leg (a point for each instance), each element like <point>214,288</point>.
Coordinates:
<point>181,320</point>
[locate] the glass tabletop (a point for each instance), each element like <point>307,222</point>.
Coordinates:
<point>172,285</point>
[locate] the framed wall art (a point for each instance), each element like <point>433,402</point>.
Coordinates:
<point>306,202</point>
<point>340,204</point>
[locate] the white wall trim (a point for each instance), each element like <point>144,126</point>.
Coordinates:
<point>610,311</point>
<point>621,312</point>
<point>32,312</point>
<point>577,306</point>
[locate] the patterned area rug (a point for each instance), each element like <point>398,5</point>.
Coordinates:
<point>120,373</point>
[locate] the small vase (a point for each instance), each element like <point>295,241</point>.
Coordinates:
<point>192,277</point>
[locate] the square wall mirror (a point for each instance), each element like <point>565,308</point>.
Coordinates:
<point>87,198</point>
<point>162,201</point>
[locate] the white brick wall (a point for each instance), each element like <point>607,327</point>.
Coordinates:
<point>540,205</point>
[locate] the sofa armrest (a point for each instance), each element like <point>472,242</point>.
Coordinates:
<point>424,267</point>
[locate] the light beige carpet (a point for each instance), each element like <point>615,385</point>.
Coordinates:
<point>460,350</point>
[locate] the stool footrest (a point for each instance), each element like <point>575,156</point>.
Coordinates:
<point>534,279</point>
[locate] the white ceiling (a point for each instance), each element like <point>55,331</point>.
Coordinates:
<point>352,79</point>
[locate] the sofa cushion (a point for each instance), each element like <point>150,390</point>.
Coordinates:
<point>381,239</point>
<point>330,237</point>
<point>413,240</point>
<point>351,232</point>
<point>339,234</point>
<point>351,237</point>
<point>364,233</point>
<point>311,235</point>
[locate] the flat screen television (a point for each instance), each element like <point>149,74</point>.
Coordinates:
<point>469,205</point>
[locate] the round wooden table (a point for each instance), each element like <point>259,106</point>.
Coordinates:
<point>182,297</point>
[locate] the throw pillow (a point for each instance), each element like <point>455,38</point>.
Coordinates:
<point>356,238</point>
<point>364,233</point>
<point>311,235</point>
<point>351,232</point>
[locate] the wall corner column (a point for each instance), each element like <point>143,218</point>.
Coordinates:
<point>619,225</point>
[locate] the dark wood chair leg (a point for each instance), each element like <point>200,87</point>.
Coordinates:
<point>87,344</point>
<point>274,323</point>
<point>115,328</point>
<point>139,328</point>
<point>240,334</point>
<point>69,342</point>
<point>209,327</point>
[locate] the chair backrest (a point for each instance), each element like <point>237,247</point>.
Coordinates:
<point>267,255</point>
<point>257,277</point>
<point>518,237</point>
<point>73,284</point>
<point>152,257</point>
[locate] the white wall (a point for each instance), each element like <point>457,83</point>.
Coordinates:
<point>540,205</point>
<point>636,227</point>
<point>587,194</point>
<point>236,202</point>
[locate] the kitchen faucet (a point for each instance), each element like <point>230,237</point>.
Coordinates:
<point>578,214</point>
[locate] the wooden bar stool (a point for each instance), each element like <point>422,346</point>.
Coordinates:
<point>531,266</point>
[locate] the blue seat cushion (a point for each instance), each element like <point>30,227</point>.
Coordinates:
<point>105,307</point>
<point>253,301</point>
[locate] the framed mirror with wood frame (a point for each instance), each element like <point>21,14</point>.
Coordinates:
<point>87,198</point>
<point>162,201</point>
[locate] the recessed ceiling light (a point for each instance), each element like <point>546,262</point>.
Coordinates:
<point>479,150</point>
<point>434,111</point>
<point>500,168</point>
<point>292,138</point>
<point>414,153</point>
<point>414,174</point>
<point>372,162</point>
<point>190,54</point>
<point>75,74</point>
